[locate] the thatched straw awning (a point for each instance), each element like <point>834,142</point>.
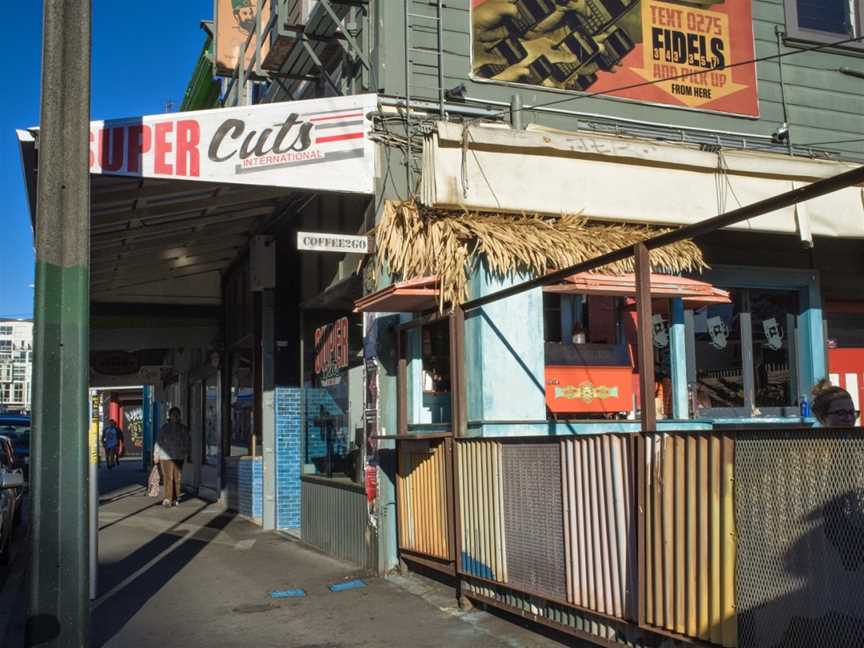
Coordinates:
<point>413,242</point>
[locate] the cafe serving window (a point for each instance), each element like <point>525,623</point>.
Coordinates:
<point>744,358</point>
<point>590,354</point>
<point>435,402</point>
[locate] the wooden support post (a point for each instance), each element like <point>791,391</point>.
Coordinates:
<point>646,338</point>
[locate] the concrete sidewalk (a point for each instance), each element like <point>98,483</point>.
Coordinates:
<point>197,575</point>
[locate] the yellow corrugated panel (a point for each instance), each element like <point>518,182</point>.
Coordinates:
<point>422,498</point>
<point>478,464</point>
<point>690,535</point>
<point>600,528</point>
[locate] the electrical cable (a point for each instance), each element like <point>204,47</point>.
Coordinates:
<point>843,141</point>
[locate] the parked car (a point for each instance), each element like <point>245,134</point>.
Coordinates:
<point>16,428</point>
<point>11,489</point>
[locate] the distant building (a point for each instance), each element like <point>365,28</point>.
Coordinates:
<point>16,364</point>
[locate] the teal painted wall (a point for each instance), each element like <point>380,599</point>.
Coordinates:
<point>823,104</point>
<point>504,359</point>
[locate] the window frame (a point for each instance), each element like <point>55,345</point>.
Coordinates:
<point>795,32</point>
<point>747,278</point>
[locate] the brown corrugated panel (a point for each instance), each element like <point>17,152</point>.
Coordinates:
<point>533,518</point>
<point>600,523</point>
<point>421,498</point>
<point>690,535</point>
<point>478,476</point>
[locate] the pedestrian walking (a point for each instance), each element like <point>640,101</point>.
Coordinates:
<point>833,406</point>
<point>172,447</point>
<point>111,436</point>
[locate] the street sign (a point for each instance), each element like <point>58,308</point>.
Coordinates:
<point>345,243</point>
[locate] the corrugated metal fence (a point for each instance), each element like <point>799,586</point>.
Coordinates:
<point>689,535</point>
<point>751,539</point>
<point>425,521</point>
<point>335,518</point>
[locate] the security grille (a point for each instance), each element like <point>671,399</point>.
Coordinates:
<point>800,515</point>
<point>533,518</point>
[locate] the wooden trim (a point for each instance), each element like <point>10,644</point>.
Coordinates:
<point>645,349</point>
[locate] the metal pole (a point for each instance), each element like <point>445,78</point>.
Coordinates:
<point>516,112</point>
<point>818,188</point>
<point>645,349</point>
<point>268,407</point>
<point>410,156</point>
<point>95,401</point>
<point>779,35</point>
<point>59,594</point>
<point>440,34</point>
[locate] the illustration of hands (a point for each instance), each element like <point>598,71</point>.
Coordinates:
<point>554,43</point>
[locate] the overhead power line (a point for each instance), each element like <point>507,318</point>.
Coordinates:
<point>642,84</point>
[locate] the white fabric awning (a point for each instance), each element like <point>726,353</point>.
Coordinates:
<point>630,180</point>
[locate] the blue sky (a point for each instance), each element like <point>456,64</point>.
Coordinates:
<point>143,55</point>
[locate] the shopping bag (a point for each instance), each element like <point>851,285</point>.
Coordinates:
<point>153,482</point>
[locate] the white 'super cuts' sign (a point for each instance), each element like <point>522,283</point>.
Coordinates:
<point>319,144</point>
<point>318,242</point>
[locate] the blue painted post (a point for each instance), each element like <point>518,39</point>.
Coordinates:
<point>678,349</point>
<point>505,361</point>
<point>812,351</point>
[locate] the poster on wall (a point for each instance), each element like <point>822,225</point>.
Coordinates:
<point>235,21</point>
<point>676,53</point>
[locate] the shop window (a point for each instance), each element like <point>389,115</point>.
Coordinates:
<point>334,436</point>
<point>435,373</point>
<point>719,361</point>
<point>825,21</point>
<point>242,403</point>
<point>745,354</point>
<point>774,314</point>
<point>552,317</point>
<point>211,421</point>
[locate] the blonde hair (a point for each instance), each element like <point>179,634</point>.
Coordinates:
<point>823,394</point>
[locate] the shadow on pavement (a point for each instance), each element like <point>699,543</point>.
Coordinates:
<point>114,609</point>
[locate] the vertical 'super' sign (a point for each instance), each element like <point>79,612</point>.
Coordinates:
<point>687,53</point>
<point>316,144</point>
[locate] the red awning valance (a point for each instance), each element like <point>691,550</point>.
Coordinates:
<point>662,286</point>
<point>413,296</point>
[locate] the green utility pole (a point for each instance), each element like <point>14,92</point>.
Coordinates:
<point>59,602</point>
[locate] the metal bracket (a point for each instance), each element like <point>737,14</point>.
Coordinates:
<point>320,66</point>
<point>354,49</point>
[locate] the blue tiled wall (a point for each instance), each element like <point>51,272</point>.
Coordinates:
<point>244,486</point>
<point>288,431</point>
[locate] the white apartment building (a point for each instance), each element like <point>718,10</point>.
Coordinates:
<point>16,364</point>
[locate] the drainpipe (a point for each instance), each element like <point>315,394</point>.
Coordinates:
<point>779,35</point>
<point>516,112</point>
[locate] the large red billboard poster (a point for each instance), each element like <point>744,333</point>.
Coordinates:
<point>695,54</point>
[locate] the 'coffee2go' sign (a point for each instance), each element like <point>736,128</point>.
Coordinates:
<point>331,352</point>
<point>313,144</point>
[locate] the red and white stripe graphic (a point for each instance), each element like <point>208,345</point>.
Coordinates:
<point>846,368</point>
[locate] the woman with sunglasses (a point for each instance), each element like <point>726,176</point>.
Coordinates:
<point>833,406</point>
